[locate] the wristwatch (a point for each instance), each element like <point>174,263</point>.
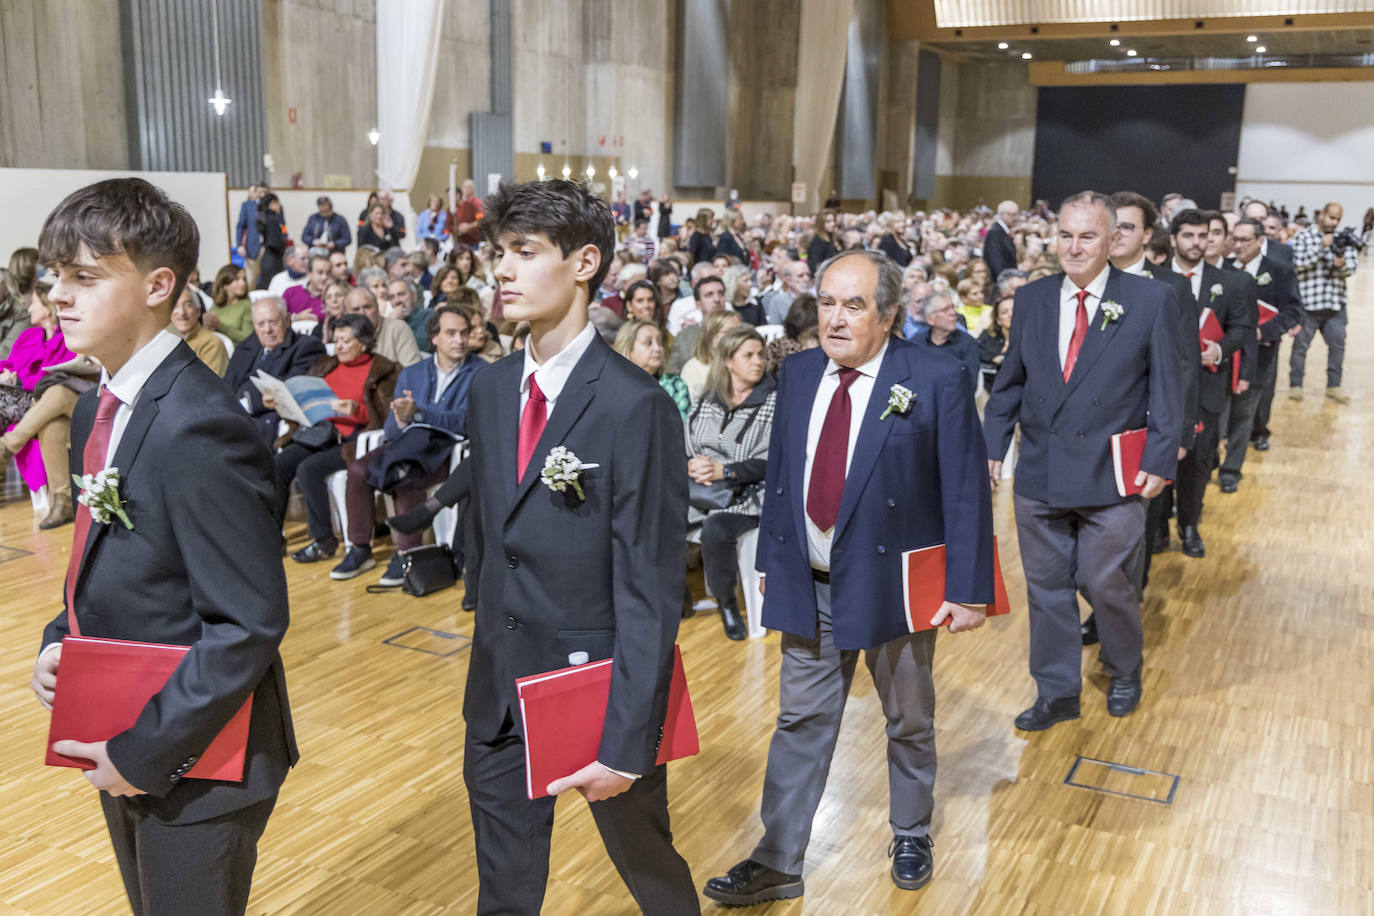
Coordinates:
<point>728,473</point>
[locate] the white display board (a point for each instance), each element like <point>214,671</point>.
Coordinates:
<point>27,196</point>
<point>1305,144</point>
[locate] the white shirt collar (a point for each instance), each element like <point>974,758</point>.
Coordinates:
<point>554,371</point>
<point>1183,272</point>
<point>128,382</point>
<point>869,368</point>
<point>1095,288</point>
<point>1138,268</point>
<point>1252,267</point>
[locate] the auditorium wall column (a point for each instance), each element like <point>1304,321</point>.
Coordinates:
<point>762,97</point>
<point>857,130</point>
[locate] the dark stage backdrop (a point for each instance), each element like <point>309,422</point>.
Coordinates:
<point>1149,139</point>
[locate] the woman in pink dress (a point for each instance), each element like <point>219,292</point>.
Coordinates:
<point>36,439</point>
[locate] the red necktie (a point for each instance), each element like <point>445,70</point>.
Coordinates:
<point>532,422</point>
<point>92,460</point>
<point>827,469</point>
<point>1080,330</point>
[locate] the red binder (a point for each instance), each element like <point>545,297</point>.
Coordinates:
<point>1267,312</point>
<point>923,584</point>
<point>1209,331</point>
<point>564,712</point>
<point>1127,450</point>
<point>103,685</point>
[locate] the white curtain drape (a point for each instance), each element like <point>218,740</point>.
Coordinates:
<point>407,66</point>
<point>821,48</point>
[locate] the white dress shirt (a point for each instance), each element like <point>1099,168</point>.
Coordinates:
<point>1136,269</point>
<point>127,385</point>
<point>552,374</point>
<point>1252,268</point>
<point>443,379</point>
<point>860,392</point>
<point>1195,279</point>
<point>1068,308</point>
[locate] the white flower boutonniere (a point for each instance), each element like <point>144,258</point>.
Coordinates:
<point>1111,313</point>
<point>1216,290</point>
<point>898,401</point>
<point>99,492</point>
<point>563,469</point>
<point>1264,279</point>
<point>1145,272</point>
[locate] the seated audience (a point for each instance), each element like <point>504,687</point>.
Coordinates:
<point>801,316</point>
<point>739,293</point>
<point>380,231</point>
<point>641,342</point>
<point>326,229</point>
<point>413,458</point>
<point>696,370</point>
<point>303,300</point>
<point>374,280</point>
<point>483,339</point>
<point>728,434</point>
<point>38,422</point>
<point>795,279</point>
<point>332,304</point>
<point>274,259</point>
<point>709,294</point>
<point>186,325</point>
<point>16,297</point>
<point>993,342</point>
<point>390,337</point>
<point>433,221</point>
<point>447,281</point>
<point>893,242</point>
<point>279,352</point>
<point>419,267</point>
<point>364,385</point>
<point>231,312</point>
<point>407,305</point>
<point>700,245</point>
<point>942,331</point>
<point>338,267</point>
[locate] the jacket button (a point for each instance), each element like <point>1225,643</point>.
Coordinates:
<point>1097,402</point>
<point>1082,434</point>
<point>513,561</point>
<point>882,549</point>
<point>778,491</point>
<point>1054,432</point>
<point>1042,399</point>
<point>512,623</point>
<point>892,503</point>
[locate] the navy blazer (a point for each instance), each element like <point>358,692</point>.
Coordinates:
<point>295,356</point>
<point>1236,307</point>
<point>915,480</point>
<point>1277,284</point>
<point>1126,378</point>
<point>450,411</point>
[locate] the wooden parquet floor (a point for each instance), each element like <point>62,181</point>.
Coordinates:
<point>1258,693</point>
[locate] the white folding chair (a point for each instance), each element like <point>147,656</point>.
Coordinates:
<point>305,325</point>
<point>338,481</point>
<point>749,581</point>
<point>770,332</point>
<point>228,344</point>
<point>255,294</point>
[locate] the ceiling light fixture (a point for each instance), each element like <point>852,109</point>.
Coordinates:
<point>1130,52</point>
<point>634,173</point>
<point>612,172</point>
<point>1001,46</point>
<point>540,171</point>
<point>1025,55</point>
<point>220,101</point>
<point>1252,38</point>
<point>1261,49</point>
<point>373,136</point>
<point>1115,42</point>
<point>567,171</point>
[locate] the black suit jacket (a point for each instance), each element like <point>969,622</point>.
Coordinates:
<point>728,245</point>
<point>1235,305</point>
<point>201,567</point>
<point>295,356</point>
<point>1276,284</point>
<point>1126,378</point>
<point>1279,251</point>
<point>559,575</point>
<point>890,247</point>
<point>1189,355</point>
<point>998,250</point>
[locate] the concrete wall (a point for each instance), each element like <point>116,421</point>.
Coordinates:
<point>762,96</point>
<point>987,134</point>
<point>62,85</point>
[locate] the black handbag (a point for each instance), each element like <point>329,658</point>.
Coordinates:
<point>427,569</point>
<point>318,437</point>
<point>710,496</point>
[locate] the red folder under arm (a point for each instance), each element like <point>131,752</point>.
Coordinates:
<point>102,687</point>
<point>564,712</point>
<point>924,585</point>
<point>1209,331</point>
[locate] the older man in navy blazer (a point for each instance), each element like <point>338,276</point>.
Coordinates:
<point>858,475</point>
<point>1094,352</point>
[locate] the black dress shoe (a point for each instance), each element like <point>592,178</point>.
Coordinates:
<point>417,519</point>
<point>1046,712</point>
<point>729,616</point>
<point>1160,543</point>
<point>316,551</point>
<point>1192,541</point>
<point>1262,443</point>
<point>1088,630</point>
<point>1123,695</point>
<point>912,862</point>
<point>749,883</point>
<point>1229,484</point>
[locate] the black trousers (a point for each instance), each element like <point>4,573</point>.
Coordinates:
<point>512,835</point>
<point>312,469</point>
<point>720,533</point>
<point>1196,469</point>
<point>201,869</point>
<point>1269,376</point>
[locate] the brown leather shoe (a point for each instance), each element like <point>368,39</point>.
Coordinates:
<point>61,514</point>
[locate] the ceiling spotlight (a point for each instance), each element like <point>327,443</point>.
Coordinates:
<point>612,172</point>
<point>540,171</point>
<point>1252,38</point>
<point>1025,55</point>
<point>1002,45</point>
<point>373,136</point>
<point>1261,49</point>
<point>634,173</point>
<point>591,171</point>
<point>1130,52</point>
<point>1115,42</point>
<point>567,171</point>
<point>220,101</point>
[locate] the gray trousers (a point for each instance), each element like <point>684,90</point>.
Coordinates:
<point>1239,428</point>
<point>1332,326</point>
<point>814,685</point>
<point>1095,550</point>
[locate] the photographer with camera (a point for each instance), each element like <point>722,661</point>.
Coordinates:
<point>1323,256</point>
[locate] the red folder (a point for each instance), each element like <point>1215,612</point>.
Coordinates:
<point>923,583</point>
<point>1127,450</point>
<point>103,685</point>
<point>1235,372</point>
<point>1209,331</point>
<point>564,712</point>
<point>1267,312</point>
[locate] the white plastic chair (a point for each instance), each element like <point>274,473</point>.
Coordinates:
<point>770,332</point>
<point>305,325</point>
<point>338,481</point>
<point>255,294</point>
<point>446,522</point>
<point>745,550</point>
<point>228,344</point>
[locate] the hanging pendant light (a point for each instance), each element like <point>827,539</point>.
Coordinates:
<point>220,102</point>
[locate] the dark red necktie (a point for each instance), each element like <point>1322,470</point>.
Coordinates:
<point>92,460</point>
<point>532,422</point>
<point>1080,330</point>
<point>827,469</point>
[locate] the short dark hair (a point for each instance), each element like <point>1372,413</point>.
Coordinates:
<point>801,314</point>
<point>696,290</point>
<point>1141,202</point>
<point>123,216</point>
<point>1252,223</point>
<point>323,201</point>
<point>642,221</point>
<point>432,325</point>
<point>565,212</point>
<point>320,257</point>
<point>360,326</point>
<point>1159,244</point>
<point>661,267</point>
<point>1213,216</point>
<point>1189,217</point>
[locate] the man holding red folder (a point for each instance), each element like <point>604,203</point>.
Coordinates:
<point>876,453</point>
<point>579,487</point>
<point>181,548</point>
